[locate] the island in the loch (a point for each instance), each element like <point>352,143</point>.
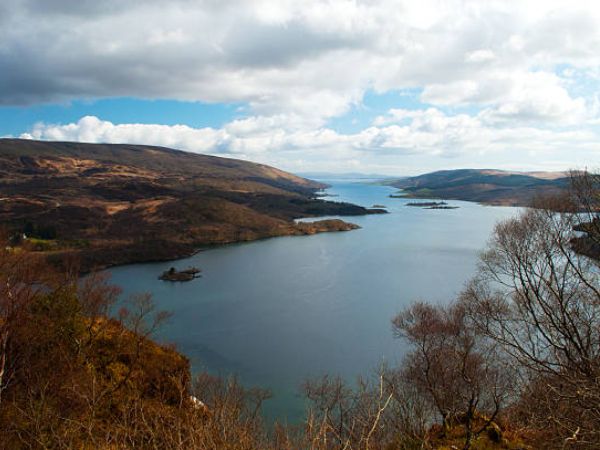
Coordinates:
<point>180,275</point>
<point>110,204</point>
<point>442,207</point>
<point>432,205</point>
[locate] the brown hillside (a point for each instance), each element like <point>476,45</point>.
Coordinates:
<point>114,204</point>
<point>488,186</point>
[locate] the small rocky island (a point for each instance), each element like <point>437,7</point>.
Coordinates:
<point>432,205</point>
<point>442,207</point>
<point>180,275</point>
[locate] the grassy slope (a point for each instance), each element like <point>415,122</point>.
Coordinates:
<point>485,186</point>
<point>114,204</point>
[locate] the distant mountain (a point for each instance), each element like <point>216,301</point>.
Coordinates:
<point>114,204</point>
<point>489,186</point>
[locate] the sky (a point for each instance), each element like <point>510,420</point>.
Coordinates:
<point>392,87</point>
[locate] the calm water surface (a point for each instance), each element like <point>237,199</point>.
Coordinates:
<point>279,310</point>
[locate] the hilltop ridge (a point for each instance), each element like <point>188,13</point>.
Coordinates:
<point>108,204</point>
<point>488,186</point>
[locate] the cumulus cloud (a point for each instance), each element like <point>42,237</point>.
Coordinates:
<point>417,135</point>
<point>92,129</point>
<point>514,96</point>
<point>526,72</point>
<point>312,58</point>
<point>480,56</point>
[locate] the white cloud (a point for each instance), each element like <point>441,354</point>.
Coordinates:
<point>480,56</point>
<point>514,96</point>
<point>425,139</point>
<point>527,71</point>
<point>92,129</point>
<point>313,58</point>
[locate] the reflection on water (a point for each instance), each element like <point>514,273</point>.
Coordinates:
<point>276,311</point>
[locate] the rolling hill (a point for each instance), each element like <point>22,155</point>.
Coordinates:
<point>492,187</point>
<point>115,204</point>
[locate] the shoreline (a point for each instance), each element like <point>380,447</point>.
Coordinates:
<point>182,251</point>
<point>402,194</point>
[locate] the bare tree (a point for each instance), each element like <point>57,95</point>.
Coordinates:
<point>457,369</point>
<point>375,413</point>
<point>22,278</point>
<point>585,194</point>
<point>538,297</point>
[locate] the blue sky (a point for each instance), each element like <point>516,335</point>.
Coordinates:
<point>394,87</point>
<point>15,120</point>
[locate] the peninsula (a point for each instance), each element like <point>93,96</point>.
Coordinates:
<point>487,186</point>
<point>105,205</point>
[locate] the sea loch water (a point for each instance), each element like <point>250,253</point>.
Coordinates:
<point>280,310</point>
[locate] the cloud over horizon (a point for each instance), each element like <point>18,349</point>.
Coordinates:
<point>458,139</point>
<point>505,82</point>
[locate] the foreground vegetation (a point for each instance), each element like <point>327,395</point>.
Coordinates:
<point>514,362</point>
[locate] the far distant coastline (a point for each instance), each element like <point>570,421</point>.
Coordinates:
<point>485,186</point>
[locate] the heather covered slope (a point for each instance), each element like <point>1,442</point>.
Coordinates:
<point>114,204</point>
<point>495,187</point>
